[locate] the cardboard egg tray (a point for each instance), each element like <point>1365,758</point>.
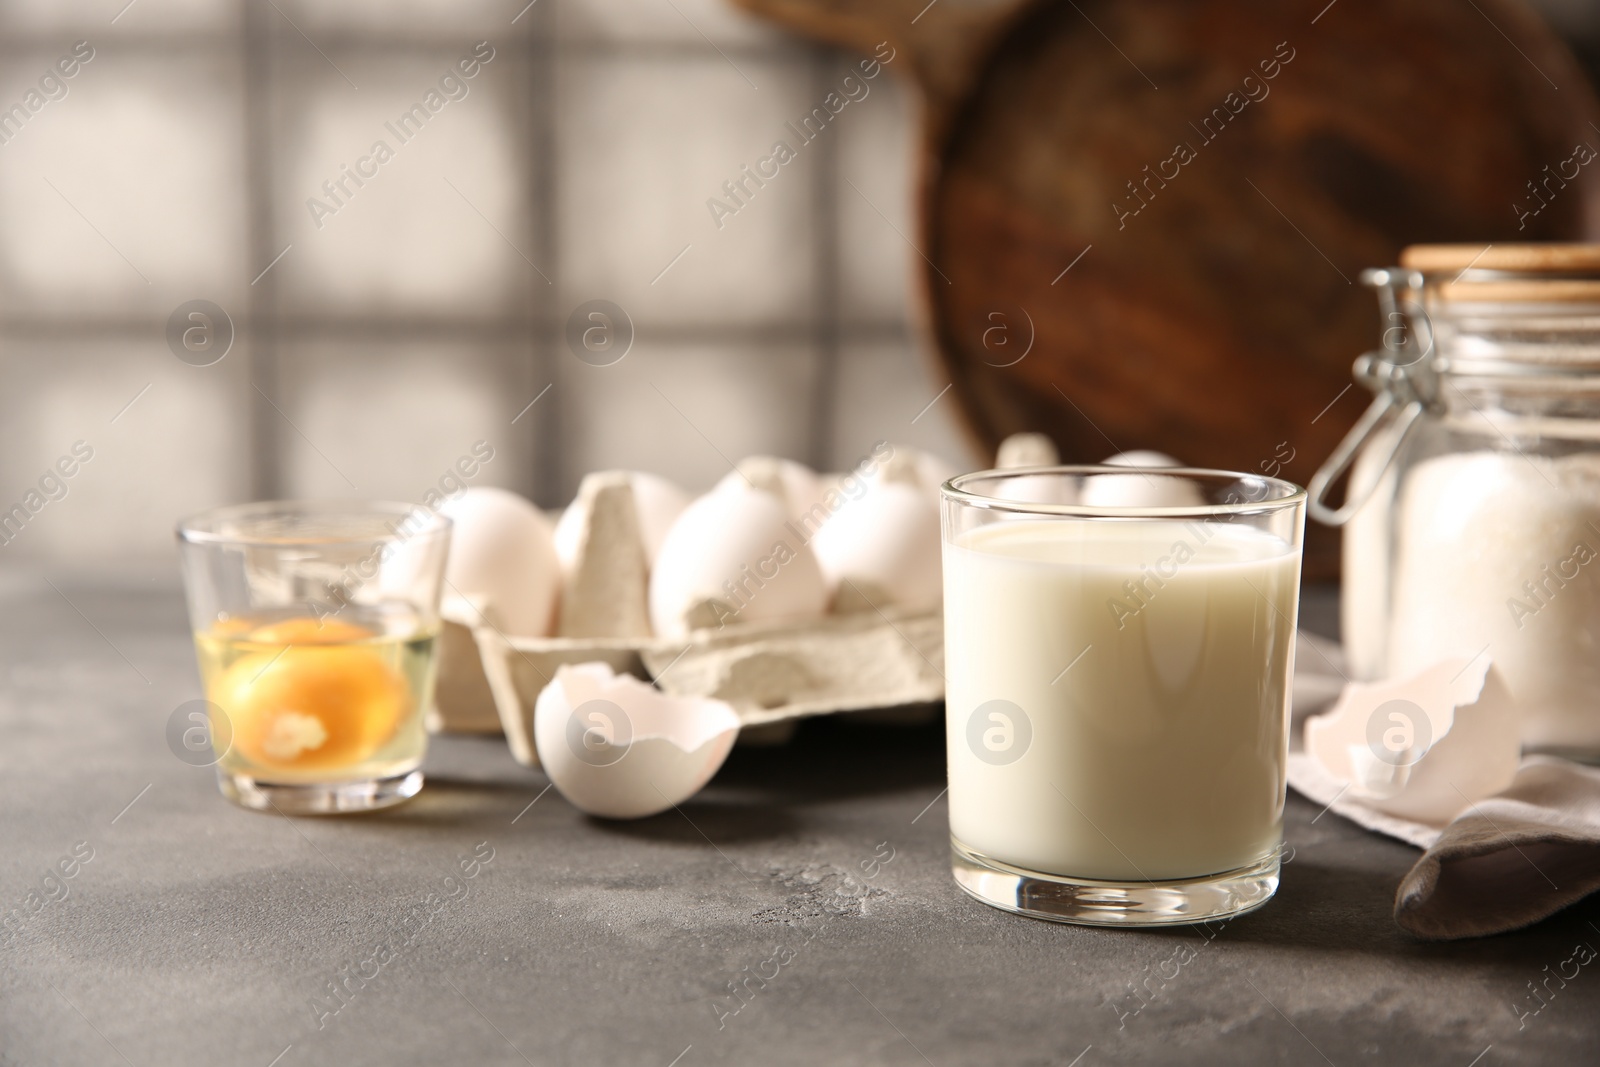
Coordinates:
<point>772,674</point>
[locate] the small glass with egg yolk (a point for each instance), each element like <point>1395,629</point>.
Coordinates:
<point>316,626</point>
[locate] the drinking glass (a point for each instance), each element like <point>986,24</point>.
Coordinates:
<point>1119,645</point>
<point>315,625</point>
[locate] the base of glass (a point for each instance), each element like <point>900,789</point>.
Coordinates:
<point>331,798</point>
<point>1096,903</point>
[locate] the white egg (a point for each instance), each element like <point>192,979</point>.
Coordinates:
<point>617,747</point>
<point>568,533</point>
<point>1141,457</point>
<point>796,484</point>
<point>882,550</point>
<point>733,557</point>
<point>1027,450</point>
<point>1036,489</point>
<point>1140,490</point>
<point>502,553</point>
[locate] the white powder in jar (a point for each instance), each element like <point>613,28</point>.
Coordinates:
<point>1498,554</point>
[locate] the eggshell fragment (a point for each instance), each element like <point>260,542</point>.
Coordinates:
<point>503,555</point>
<point>1140,490</point>
<point>619,748</point>
<point>605,584</point>
<point>1423,747</point>
<point>734,556</point>
<point>882,551</point>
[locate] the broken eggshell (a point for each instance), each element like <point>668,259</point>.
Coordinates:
<point>1423,747</point>
<point>619,748</point>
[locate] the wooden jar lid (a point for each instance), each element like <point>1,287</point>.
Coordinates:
<point>1560,258</point>
<point>1544,273</point>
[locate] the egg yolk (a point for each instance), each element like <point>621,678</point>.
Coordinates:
<point>312,703</point>
<point>304,631</point>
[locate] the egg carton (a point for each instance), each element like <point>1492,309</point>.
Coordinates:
<point>772,674</point>
<point>775,645</point>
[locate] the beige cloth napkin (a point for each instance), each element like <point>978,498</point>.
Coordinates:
<point>1507,861</point>
<point>1511,859</point>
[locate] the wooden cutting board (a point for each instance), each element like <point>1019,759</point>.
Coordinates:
<point>1177,249</point>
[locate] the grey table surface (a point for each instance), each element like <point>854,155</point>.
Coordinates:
<point>815,876</point>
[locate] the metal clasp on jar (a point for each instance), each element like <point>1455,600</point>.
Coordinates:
<point>1404,380</point>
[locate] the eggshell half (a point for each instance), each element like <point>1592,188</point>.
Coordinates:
<point>621,749</point>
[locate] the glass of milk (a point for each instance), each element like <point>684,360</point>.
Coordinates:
<point>1119,646</point>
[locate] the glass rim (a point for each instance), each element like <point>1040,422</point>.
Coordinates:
<point>1289,494</point>
<point>199,528</point>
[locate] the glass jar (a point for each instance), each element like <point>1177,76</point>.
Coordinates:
<point>1472,515</point>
